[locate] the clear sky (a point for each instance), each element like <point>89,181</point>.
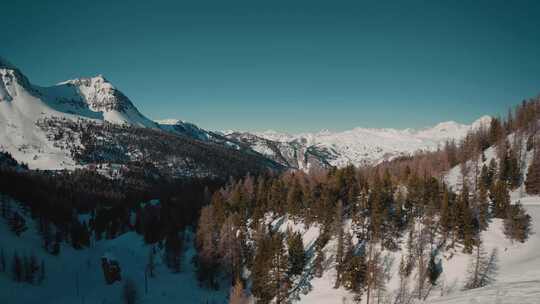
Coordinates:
<point>287,65</point>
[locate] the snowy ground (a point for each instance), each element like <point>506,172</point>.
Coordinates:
<point>518,279</point>
<point>519,266</point>
<point>82,268</point>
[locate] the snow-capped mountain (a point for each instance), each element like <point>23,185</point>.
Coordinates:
<point>88,121</point>
<point>26,111</point>
<point>359,146</point>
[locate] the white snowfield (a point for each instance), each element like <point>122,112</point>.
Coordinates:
<point>518,280</point>
<point>361,146</point>
<point>23,104</point>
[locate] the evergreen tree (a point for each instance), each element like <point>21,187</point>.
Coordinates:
<point>279,268</point>
<point>532,183</point>
<point>31,267</point>
<point>434,270</point>
<point>41,275</point>
<point>501,199</point>
<point>2,261</point>
<point>465,220</point>
<point>269,273</point>
<point>354,269</point>
<point>173,251</point>
<point>320,257</point>
<point>260,272</point>
<point>297,254</point>
<point>17,223</point>
<point>485,178</point>
<point>17,269</point>
<point>445,214</point>
<point>294,200</point>
<point>482,268</point>
<point>151,263</point>
<point>517,224</point>
<point>338,232</point>
<point>483,207</point>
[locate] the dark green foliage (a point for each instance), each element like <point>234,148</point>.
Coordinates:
<point>2,261</point>
<point>517,224</point>
<point>17,224</point>
<point>501,199</point>
<point>174,243</point>
<point>434,269</point>
<point>17,268</point>
<point>297,254</point>
<point>270,279</point>
<point>532,183</point>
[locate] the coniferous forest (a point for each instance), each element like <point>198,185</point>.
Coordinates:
<point>404,206</point>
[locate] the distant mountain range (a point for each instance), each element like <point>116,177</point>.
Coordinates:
<point>359,146</point>
<point>87,121</point>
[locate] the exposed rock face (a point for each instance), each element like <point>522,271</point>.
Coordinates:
<point>101,95</point>
<point>111,269</point>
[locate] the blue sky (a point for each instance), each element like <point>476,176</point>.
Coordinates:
<point>288,65</point>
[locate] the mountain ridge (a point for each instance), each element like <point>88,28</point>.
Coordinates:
<point>97,100</point>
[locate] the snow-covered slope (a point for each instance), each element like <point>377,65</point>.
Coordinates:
<point>518,279</point>
<point>22,104</point>
<point>76,276</point>
<point>358,146</point>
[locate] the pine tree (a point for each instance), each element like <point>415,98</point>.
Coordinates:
<point>260,272</point>
<point>501,199</point>
<point>465,219</point>
<point>517,224</point>
<point>482,269</point>
<point>17,223</point>
<point>269,273</point>
<point>2,261</point>
<point>17,269</point>
<point>151,264</point>
<point>485,178</point>
<point>294,200</point>
<point>279,268</point>
<point>354,269</point>
<point>31,267</point>
<point>319,258</point>
<point>338,232</point>
<point>434,270</point>
<point>173,251</point>
<point>41,275</point>
<point>445,217</point>
<point>483,207</point>
<point>297,254</point>
<point>532,183</point>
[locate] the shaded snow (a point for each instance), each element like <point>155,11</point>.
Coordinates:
<point>82,268</point>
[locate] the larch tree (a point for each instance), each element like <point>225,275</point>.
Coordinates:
<point>482,268</point>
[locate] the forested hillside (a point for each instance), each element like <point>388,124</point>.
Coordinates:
<point>402,231</point>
